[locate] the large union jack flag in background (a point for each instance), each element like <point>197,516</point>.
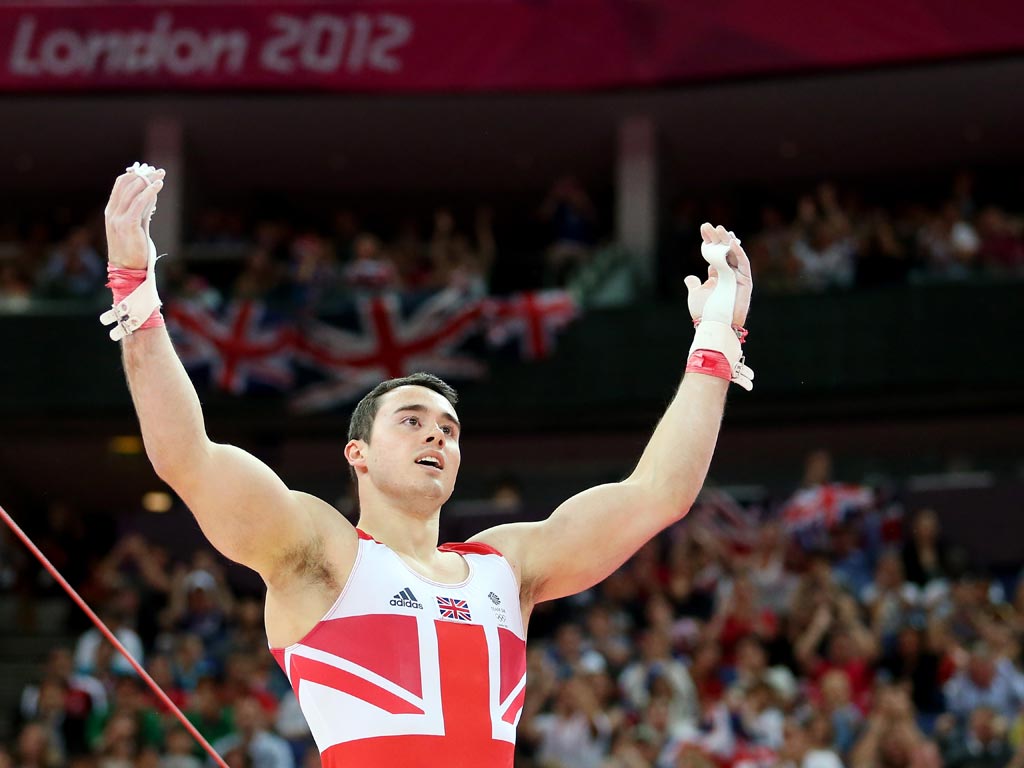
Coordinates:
<point>243,347</point>
<point>533,318</point>
<point>320,364</point>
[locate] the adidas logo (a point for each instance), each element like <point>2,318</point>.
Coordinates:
<point>406,599</point>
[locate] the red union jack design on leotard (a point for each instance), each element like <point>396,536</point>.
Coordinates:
<point>454,609</point>
<point>404,685</point>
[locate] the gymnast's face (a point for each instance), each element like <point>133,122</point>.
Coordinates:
<point>413,452</point>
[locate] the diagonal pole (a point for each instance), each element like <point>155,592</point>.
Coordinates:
<point>110,636</point>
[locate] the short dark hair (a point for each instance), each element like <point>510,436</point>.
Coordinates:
<point>361,424</point>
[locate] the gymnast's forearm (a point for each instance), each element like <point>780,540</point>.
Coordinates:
<point>167,405</point>
<point>676,460</point>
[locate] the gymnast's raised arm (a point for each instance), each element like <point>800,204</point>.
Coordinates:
<point>590,535</point>
<point>242,506</point>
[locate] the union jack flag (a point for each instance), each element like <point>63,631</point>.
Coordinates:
<point>242,346</point>
<point>389,343</point>
<point>531,317</point>
<point>245,347</point>
<point>453,609</point>
<point>825,505</point>
<point>726,518</point>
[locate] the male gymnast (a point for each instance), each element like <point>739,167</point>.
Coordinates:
<point>403,652</point>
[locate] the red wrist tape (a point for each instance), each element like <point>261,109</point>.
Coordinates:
<point>711,363</point>
<point>122,282</point>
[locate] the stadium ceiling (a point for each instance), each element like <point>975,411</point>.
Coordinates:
<point>882,121</point>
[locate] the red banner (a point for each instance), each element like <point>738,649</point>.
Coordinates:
<point>458,45</point>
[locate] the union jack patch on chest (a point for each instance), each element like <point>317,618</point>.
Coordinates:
<point>454,609</point>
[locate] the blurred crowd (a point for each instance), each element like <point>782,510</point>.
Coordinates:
<point>830,239</point>
<point>310,266</point>
<point>835,240</point>
<point>276,261</point>
<point>202,643</point>
<point>833,628</point>
<point>847,237</point>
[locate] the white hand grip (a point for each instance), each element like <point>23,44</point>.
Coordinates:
<point>135,308</point>
<point>722,301</point>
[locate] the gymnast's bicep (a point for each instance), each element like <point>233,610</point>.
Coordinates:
<point>245,510</point>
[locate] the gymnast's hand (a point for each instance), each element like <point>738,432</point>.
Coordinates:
<point>127,216</point>
<point>699,292</point>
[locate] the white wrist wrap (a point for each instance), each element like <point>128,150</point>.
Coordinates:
<point>135,308</point>
<point>720,337</point>
<point>715,331</point>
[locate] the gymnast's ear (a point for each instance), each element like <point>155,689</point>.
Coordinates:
<point>355,454</point>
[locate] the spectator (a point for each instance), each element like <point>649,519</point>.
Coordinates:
<point>771,249</point>
<point>912,661</point>
<point>949,244</point>
<point>262,747</point>
<point>82,693</point>
<point>313,271</point>
<point>751,665</point>
<point>117,615</point>
<point>925,556</point>
<point>51,714</point>
<point>632,748</point>
<point>576,733</point>
<point>571,218</point>
<point>982,744</point>
<point>458,264</point>
<point>246,676</point>
<point>607,631</point>
<point>118,743</point>
<point>986,680</point>
<point>760,719</point>
<point>74,269</point>
<point>850,647</point>
<point>185,285</point>
<point>179,750</point>
<point>162,672</point>
<point>707,674</point>
<point>1001,247</point>
<point>200,602</point>
<point>208,713</point>
<point>684,587</point>
<point>739,614</point>
<point>658,674</point>
<point>800,750</point>
<point>247,633</point>
<point>824,249</point>
<point>15,287</point>
<point>889,599</point>
<point>135,564</point>
<point>260,278</point>
<point>772,580</point>
<point>569,653</point>
<point>190,663</point>
<point>370,269</point>
<point>292,726</point>
<point>660,616</point>
<point>837,705</point>
<point>35,748</point>
<point>891,737</point>
<point>852,559</point>
<point>129,724</point>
